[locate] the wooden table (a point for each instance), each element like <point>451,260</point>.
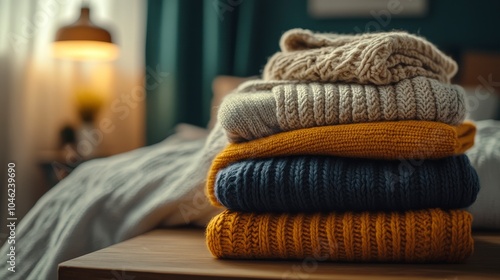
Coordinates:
<point>182,254</point>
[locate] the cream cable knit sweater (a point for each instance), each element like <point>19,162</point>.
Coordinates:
<point>376,58</point>
<point>260,108</point>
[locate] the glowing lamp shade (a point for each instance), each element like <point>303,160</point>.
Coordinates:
<point>85,50</point>
<point>84,40</point>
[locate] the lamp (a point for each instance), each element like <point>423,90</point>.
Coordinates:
<point>84,40</point>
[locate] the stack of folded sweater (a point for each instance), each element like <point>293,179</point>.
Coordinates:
<point>349,149</point>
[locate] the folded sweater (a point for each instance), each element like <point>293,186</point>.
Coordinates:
<point>263,108</point>
<point>320,183</point>
<point>430,235</point>
<point>378,140</point>
<point>376,58</point>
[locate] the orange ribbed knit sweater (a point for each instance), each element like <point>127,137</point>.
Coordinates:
<point>379,140</point>
<point>430,235</point>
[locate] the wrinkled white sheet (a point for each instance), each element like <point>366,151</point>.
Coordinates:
<point>109,200</point>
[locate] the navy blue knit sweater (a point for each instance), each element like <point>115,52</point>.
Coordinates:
<point>320,183</point>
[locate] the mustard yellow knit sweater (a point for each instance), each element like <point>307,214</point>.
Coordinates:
<point>430,235</point>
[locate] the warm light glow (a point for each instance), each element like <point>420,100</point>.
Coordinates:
<point>85,50</point>
<point>89,101</point>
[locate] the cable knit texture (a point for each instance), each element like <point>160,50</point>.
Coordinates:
<point>378,140</point>
<point>264,108</point>
<point>320,183</point>
<point>430,235</point>
<point>376,58</point>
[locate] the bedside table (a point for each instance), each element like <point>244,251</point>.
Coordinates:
<point>182,254</point>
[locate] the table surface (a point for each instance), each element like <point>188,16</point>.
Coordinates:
<point>182,254</point>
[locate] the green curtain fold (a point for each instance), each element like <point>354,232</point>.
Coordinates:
<point>189,43</point>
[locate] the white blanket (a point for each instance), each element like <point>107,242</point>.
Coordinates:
<point>106,201</point>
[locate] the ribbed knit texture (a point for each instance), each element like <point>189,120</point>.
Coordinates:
<point>279,106</point>
<point>377,58</point>
<point>378,140</point>
<point>430,235</point>
<point>319,183</point>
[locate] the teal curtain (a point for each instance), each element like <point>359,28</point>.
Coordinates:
<point>189,43</point>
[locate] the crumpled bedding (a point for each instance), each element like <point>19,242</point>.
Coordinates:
<point>106,201</point>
